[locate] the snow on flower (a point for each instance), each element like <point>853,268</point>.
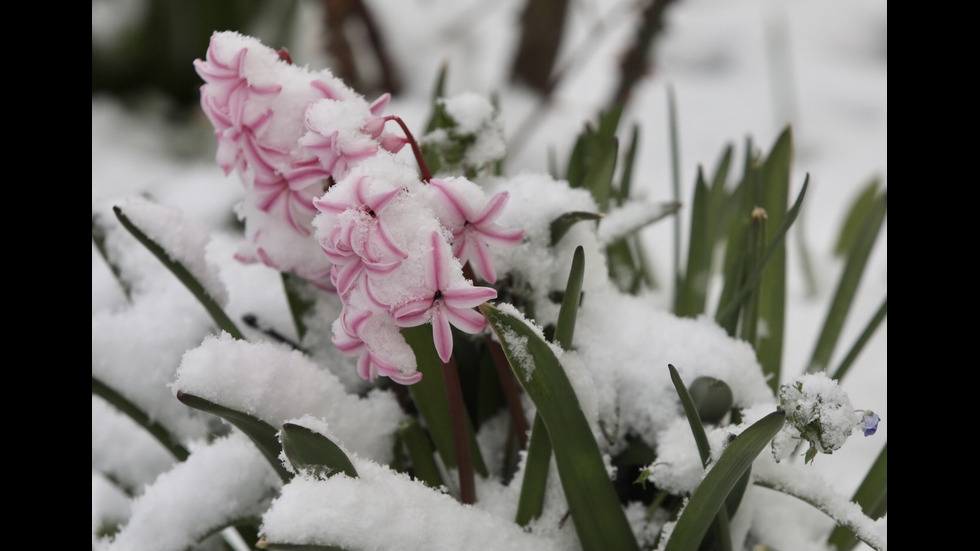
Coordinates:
<point>443,302</point>
<point>819,412</point>
<point>472,220</point>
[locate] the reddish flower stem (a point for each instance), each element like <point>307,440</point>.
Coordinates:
<point>423,167</point>
<point>461,441</point>
<point>517,421</point>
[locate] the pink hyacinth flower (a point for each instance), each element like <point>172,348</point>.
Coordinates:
<point>474,225</point>
<point>444,304</point>
<point>356,241</point>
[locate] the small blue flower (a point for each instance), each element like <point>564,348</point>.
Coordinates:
<point>870,423</point>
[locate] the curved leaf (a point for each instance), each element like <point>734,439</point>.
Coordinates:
<point>262,434</point>
<point>561,225</point>
<point>711,494</point>
<point>307,449</point>
<point>184,275</point>
<point>594,505</point>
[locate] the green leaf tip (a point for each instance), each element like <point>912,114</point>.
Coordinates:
<point>311,451</point>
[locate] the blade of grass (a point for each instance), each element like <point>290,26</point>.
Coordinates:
<point>756,275</point>
<point>710,495</point>
<point>675,172</point>
<point>847,286</point>
<point>141,418</point>
<point>300,298</point>
<point>420,451</point>
<point>600,521</point>
<point>862,340</point>
<point>693,286</point>
<point>184,275</point>
<point>720,530</point>
<point>871,495</point>
<point>860,209</point>
<point>98,238</point>
<point>531,501</point>
<point>768,344</point>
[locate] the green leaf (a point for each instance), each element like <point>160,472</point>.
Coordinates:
<point>420,452</point>
<point>847,286</point>
<point>869,330</point>
<point>710,495</point>
<point>273,546</point>
<point>594,505</point>
<point>735,218</point>
<point>862,207</point>
<point>565,328</point>
<point>430,397</point>
<point>185,277</point>
<point>531,501</point>
<point>871,495</point>
<point>301,297</point>
<point>756,275</point>
<point>692,290</point>
<point>561,225</point>
<point>143,419</point>
<point>98,238</point>
<point>262,434</point>
<point>308,450</point>
<point>675,173</point>
<point>768,344</point>
<point>626,175</point>
<point>720,533</point>
<point>693,417</point>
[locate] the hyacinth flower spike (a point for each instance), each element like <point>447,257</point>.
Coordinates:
<point>443,303</point>
<point>474,227</point>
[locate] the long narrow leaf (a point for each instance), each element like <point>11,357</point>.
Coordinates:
<point>98,239</point>
<point>421,453</point>
<point>141,418</point>
<point>693,286</point>
<point>862,340</point>
<point>430,397</point>
<point>859,211</point>
<point>531,501</point>
<point>307,449</point>
<point>262,434</point>
<point>675,173</point>
<point>847,286</point>
<point>600,521</point>
<point>299,297</point>
<point>693,417</point>
<point>710,495</point>
<point>720,528</point>
<point>561,225</point>
<point>184,275</point>
<point>774,245</point>
<point>565,327</point>
<point>768,344</point>
<point>871,495</point>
